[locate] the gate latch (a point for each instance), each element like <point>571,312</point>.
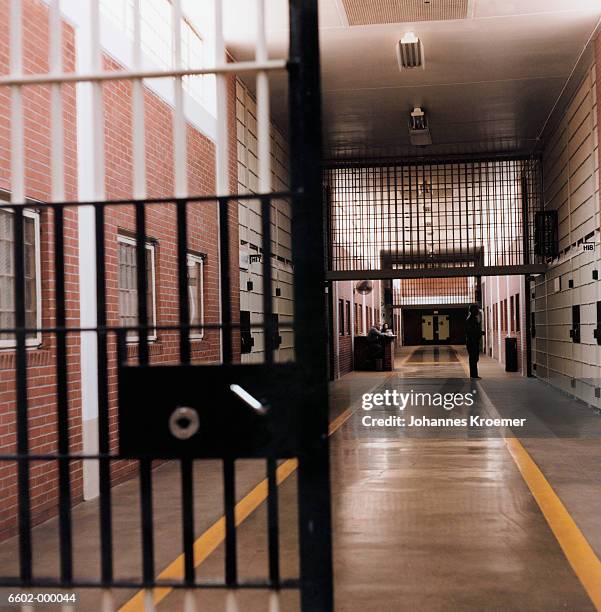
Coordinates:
<point>210,411</point>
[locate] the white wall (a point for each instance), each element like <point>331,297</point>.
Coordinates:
<point>571,173</point>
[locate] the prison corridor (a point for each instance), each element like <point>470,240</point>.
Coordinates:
<point>421,520</point>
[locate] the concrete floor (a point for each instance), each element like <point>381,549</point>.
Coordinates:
<point>423,520</point>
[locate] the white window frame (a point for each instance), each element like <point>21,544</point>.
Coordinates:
<point>152,336</point>
<point>198,259</point>
<point>36,341</point>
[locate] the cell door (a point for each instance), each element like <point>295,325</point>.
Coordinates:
<point>154,376</point>
<point>443,328</point>
<point>428,328</point>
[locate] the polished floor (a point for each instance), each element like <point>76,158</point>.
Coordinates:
<point>425,518</point>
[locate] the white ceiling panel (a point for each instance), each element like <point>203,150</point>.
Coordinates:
<point>490,80</point>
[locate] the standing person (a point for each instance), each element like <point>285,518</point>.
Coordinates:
<point>473,333</point>
<point>374,342</point>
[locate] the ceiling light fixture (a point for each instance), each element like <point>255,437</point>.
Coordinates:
<point>419,130</point>
<point>410,52</point>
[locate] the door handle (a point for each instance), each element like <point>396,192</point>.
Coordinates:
<point>249,400</point>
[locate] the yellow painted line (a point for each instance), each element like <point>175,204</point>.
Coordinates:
<point>215,534</point>
<point>575,547</point>
<point>582,558</point>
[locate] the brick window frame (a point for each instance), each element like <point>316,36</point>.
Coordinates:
<point>35,340</point>
<point>195,259</point>
<point>151,248</point>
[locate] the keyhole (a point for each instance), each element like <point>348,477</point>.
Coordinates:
<point>183,422</point>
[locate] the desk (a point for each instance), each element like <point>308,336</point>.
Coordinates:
<point>388,360</point>
<point>363,360</point>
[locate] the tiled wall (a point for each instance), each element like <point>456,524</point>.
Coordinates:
<point>251,270</point>
<point>571,171</point>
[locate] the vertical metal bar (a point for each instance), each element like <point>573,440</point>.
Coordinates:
<point>225,284</point>
<point>25,548</point>
<point>17,167</point>
<point>526,260</point>
<point>182,275</point>
<point>269,331</point>
<point>139,170</point>
<point>527,327</point>
<point>58,195</point>
<point>264,168</point>
<point>187,485</point>
<point>138,132</point>
<point>143,358</point>
<point>273,523</point>
<point>139,154</point>
<point>263,121</point>
<point>229,502</point>
<point>222,174</point>
<point>147,526</point>
<point>525,221</point>
<point>186,465</point>
<point>141,283</point>
<point>62,403</point>
<point>180,156</point>
<point>104,445</point>
<point>222,182</point>
<point>310,312</point>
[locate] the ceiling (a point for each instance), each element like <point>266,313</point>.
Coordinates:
<point>490,81</point>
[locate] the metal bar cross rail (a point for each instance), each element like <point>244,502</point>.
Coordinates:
<point>120,75</point>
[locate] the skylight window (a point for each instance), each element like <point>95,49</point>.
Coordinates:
<point>157,42</point>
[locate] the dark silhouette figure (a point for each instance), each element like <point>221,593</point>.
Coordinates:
<point>374,342</point>
<point>473,333</point>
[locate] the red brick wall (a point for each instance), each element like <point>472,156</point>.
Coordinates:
<point>429,287</point>
<point>343,357</point>
<point>160,221</point>
<point>508,287</point>
<point>160,226</point>
<point>41,372</point>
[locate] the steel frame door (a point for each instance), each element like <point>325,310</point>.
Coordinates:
<point>277,425</point>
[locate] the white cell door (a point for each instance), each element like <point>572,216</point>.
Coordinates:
<point>428,328</point>
<point>443,328</point>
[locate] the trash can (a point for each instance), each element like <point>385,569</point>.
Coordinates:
<point>511,354</point>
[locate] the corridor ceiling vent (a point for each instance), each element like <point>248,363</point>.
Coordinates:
<point>373,12</point>
<point>419,130</point>
<point>410,52</point>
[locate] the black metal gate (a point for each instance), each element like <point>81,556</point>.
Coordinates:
<point>270,410</point>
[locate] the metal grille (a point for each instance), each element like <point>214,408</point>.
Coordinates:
<point>408,219</point>
<point>374,12</point>
<point>108,339</point>
<point>435,291</point>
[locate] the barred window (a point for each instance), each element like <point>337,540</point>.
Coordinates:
<point>128,288</point>
<point>196,294</point>
<point>33,307</point>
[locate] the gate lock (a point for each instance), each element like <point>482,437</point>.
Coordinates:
<point>210,411</point>
<point>183,422</point>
